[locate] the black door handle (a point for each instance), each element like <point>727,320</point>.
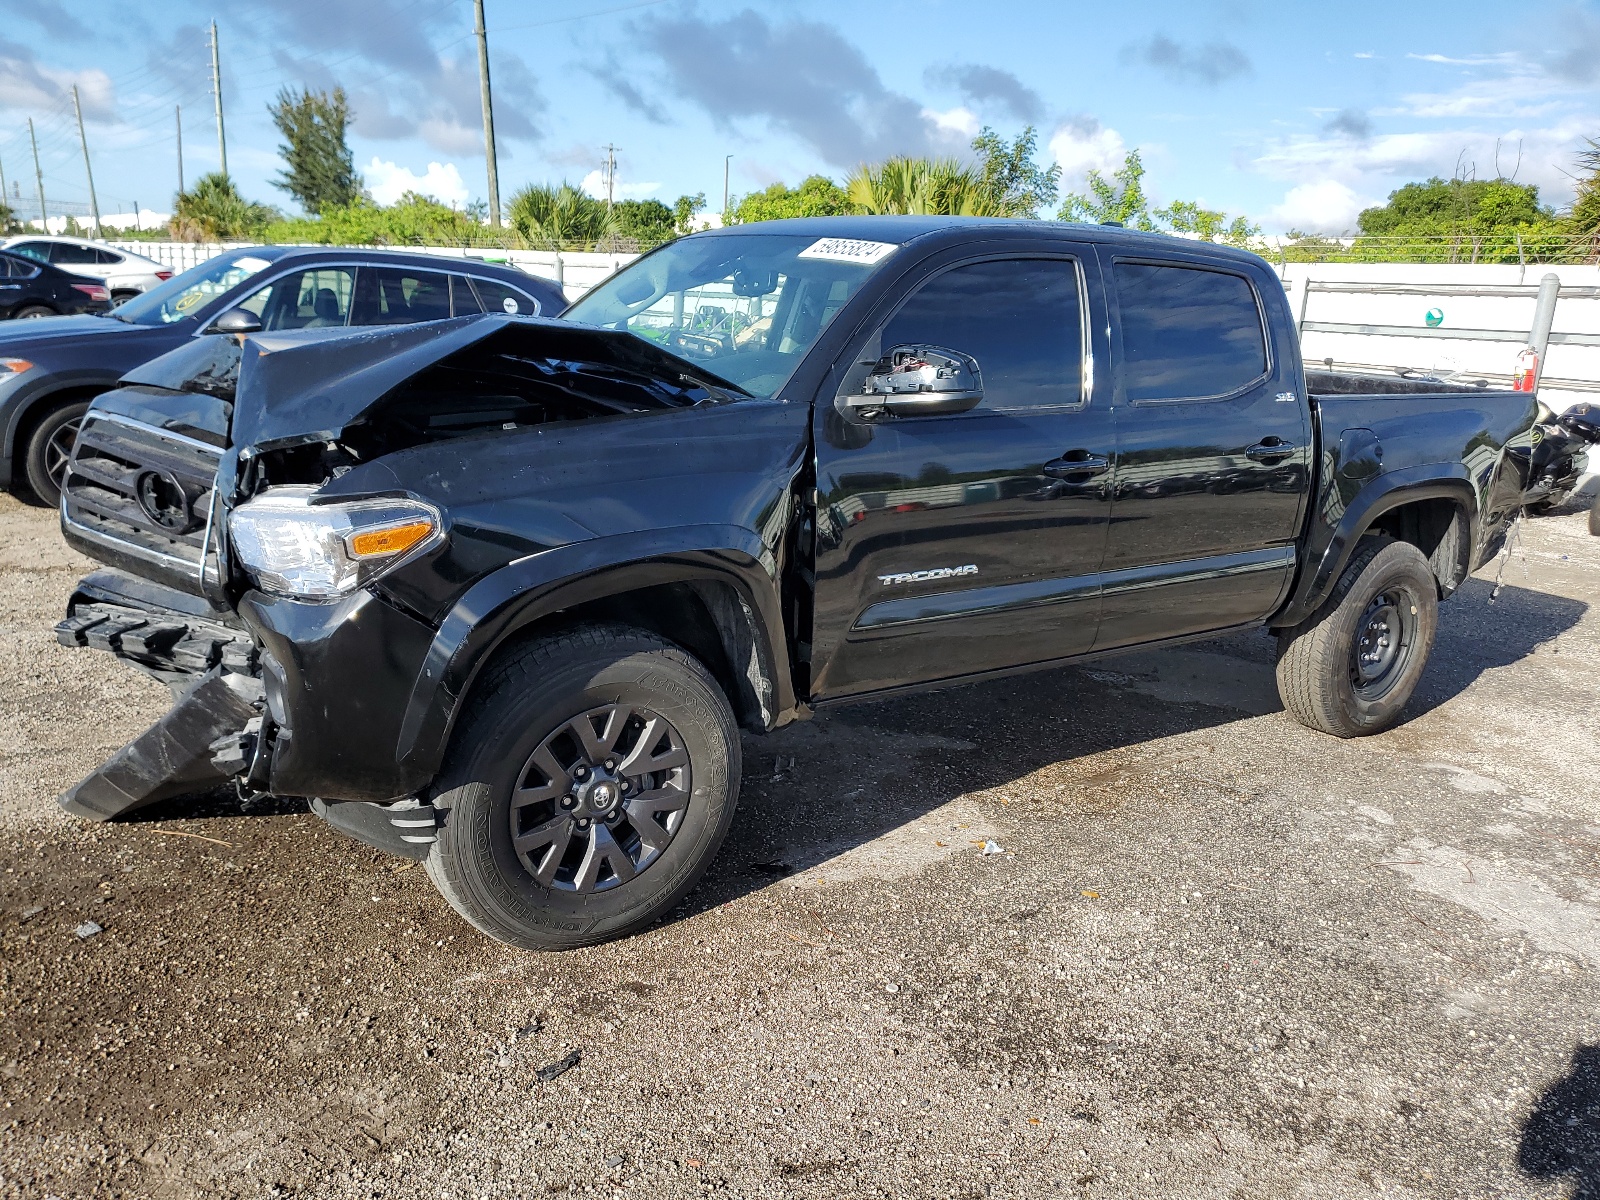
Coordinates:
<point>1077,464</point>
<point>1268,449</point>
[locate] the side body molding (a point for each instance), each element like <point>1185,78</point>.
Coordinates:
<point>530,589</point>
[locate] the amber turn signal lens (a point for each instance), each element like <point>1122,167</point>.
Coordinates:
<point>371,543</point>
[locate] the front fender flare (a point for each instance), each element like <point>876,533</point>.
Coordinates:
<point>525,591</point>
<point>1330,554</point>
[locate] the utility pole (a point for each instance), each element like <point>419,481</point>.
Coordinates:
<point>216,85</point>
<point>727,159</point>
<point>38,177</point>
<point>94,204</point>
<point>5,198</point>
<point>488,116</point>
<point>611,174</point>
<point>178,112</point>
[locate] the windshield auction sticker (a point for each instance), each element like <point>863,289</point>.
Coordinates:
<point>849,250</point>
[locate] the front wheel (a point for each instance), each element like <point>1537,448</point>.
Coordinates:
<point>586,790</point>
<point>1350,668</point>
<point>50,448</point>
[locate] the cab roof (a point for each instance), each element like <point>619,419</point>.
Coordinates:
<point>904,229</point>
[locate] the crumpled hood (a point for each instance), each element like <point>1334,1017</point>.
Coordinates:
<point>309,385</point>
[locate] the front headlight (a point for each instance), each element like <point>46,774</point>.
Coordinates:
<point>292,547</point>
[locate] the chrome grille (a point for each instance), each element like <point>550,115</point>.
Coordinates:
<point>141,491</point>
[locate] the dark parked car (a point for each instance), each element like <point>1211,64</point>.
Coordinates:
<point>29,288</point>
<point>67,363</point>
<point>500,593</point>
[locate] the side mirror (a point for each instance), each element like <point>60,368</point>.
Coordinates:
<point>237,320</point>
<point>919,381</point>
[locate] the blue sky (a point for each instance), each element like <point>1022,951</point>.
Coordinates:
<point>1296,114</point>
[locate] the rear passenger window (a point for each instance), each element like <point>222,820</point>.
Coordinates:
<point>499,297</point>
<point>462,300</point>
<point>71,255</point>
<point>1187,333</point>
<point>400,296</point>
<point>1020,318</point>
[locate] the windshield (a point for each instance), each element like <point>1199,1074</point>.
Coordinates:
<point>184,295</point>
<point>747,305</point>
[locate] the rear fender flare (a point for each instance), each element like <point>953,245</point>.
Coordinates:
<point>509,600</point>
<point>1389,491</point>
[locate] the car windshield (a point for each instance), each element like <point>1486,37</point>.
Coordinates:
<point>184,295</point>
<point>747,305</point>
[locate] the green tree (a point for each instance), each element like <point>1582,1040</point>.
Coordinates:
<point>1458,220</point>
<point>645,222</point>
<point>1208,225</point>
<point>1120,198</point>
<point>213,210</point>
<point>920,186</point>
<point>1447,206</point>
<point>561,217</point>
<point>684,210</point>
<point>817,196</point>
<point>1585,215</point>
<point>321,170</point>
<point>1012,183</point>
<point>413,220</point>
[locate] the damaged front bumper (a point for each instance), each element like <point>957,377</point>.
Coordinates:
<point>291,698</point>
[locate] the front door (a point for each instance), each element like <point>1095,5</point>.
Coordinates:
<point>1213,453</point>
<point>968,542</point>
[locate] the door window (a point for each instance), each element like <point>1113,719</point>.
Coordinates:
<point>1022,319</point>
<point>500,297</point>
<point>314,299</point>
<point>67,254</point>
<point>400,296</point>
<point>1187,333</point>
<point>39,251</point>
<point>463,301</point>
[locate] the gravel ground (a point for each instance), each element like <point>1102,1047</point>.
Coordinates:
<point>1220,955</point>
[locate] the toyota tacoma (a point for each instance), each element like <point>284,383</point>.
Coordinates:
<point>499,593</point>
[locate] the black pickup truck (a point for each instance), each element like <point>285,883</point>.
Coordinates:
<point>499,593</point>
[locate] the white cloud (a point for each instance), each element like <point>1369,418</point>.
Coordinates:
<point>1324,207</point>
<point>1082,145</point>
<point>595,184</point>
<point>388,182</point>
<point>959,120</point>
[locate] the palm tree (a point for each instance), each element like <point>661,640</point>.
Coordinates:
<point>557,218</point>
<point>213,210</point>
<point>922,186</point>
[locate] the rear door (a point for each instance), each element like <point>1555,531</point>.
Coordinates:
<point>956,544</point>
<point>1213,452</point>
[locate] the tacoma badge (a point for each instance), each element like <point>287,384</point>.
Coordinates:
<point>924,576</point>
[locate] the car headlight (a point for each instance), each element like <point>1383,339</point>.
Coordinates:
<point>292,547</point>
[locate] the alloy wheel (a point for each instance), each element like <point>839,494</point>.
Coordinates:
<point>58,451</point>
<point>600,799</point>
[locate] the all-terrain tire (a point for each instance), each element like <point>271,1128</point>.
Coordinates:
<point>1350,667</point>
<point>44,459</point>
<point>524,710</point>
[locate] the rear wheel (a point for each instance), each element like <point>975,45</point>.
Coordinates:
<point>32,312</point>
<point>1350,668</point>
<point>50,448</point>
<point>587,789</point>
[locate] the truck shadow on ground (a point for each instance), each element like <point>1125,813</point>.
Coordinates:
<point>816,791</point>
<point>1561,1137</point>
